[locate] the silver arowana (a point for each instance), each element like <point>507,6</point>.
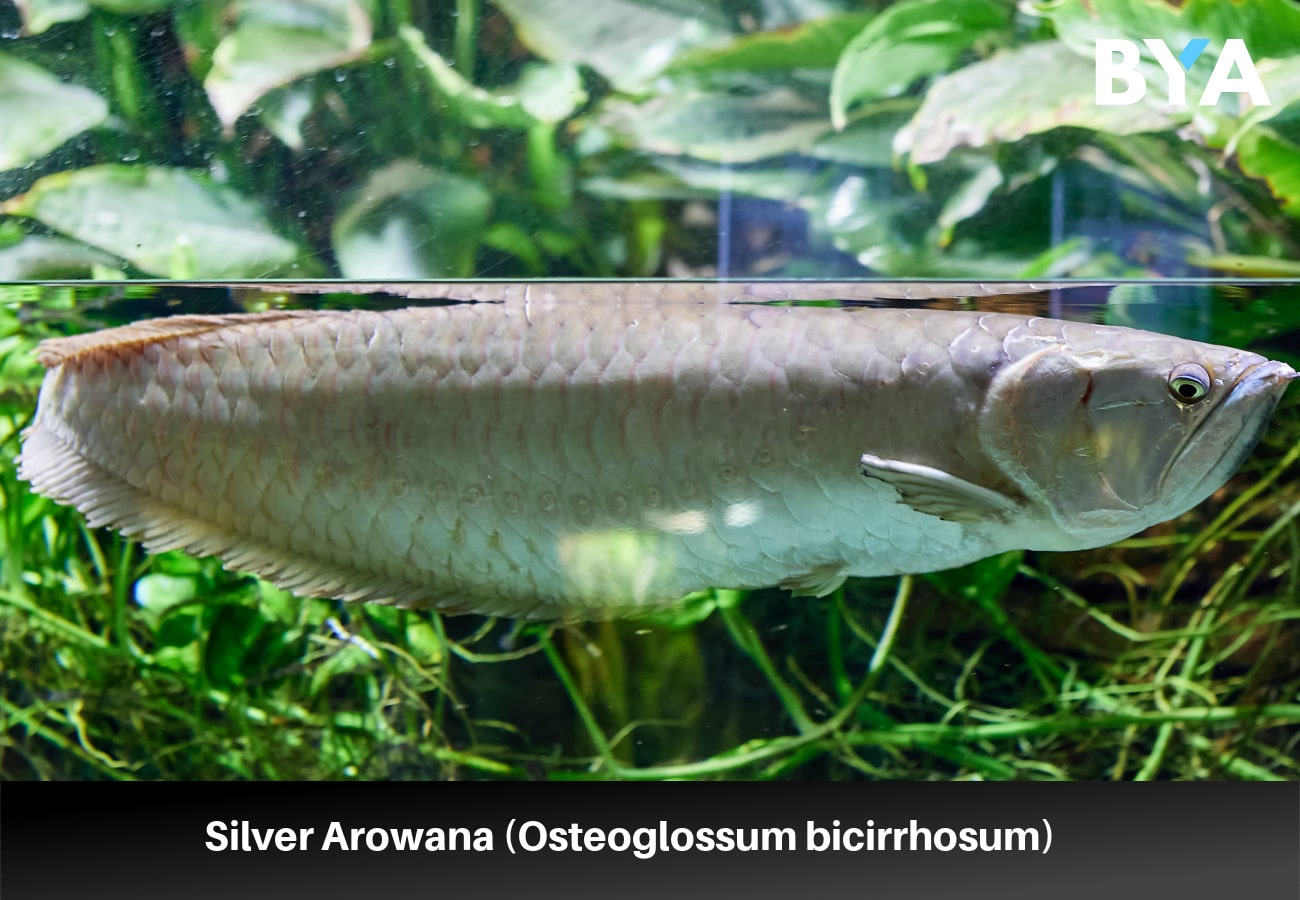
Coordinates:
<point>589,459</point>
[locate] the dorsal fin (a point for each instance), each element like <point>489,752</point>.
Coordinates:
<point>129,338</point>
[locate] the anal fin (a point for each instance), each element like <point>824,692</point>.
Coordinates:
<point>819,582</point>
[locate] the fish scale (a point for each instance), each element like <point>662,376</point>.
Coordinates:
<point>584,459</point>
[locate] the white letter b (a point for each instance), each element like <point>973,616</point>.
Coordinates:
<point>1108,70</point>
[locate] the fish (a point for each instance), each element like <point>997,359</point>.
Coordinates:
<point>588,459</point>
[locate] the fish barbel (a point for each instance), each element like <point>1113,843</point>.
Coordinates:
<point>593,459</point>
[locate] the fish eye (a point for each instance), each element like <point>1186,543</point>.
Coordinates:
<point>1189,383</point>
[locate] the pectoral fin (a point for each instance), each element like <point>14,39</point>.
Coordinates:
<point>937,493</point>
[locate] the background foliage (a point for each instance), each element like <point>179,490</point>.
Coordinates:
<point>220,139</point>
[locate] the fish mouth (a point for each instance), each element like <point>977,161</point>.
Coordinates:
<point>1244,414</point>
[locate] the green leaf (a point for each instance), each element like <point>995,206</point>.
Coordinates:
<point>1267,154</point>
<point>550,93</point>
<point>810,45</point>
<point>348,658</point>
<point>279,41</point>
<point>409,221</point>
<point>721,127</point>
<point>232,631</point>
<point>200,25</point>
<point>284,111</point>
<point>39,112</point>
<point>424,641</point>
<point>869,139</point>
<point>41,15</point>
<point>166,222</point>
<point>905,42</point>
<point>158,594</point>
<point>40,258</point>
<point>1281,78</point>
<point>771,182</point>
<point>1019,92</point>
<point>471,104</point>
<point>1268,27</point>
<point>277,603</point>
<point>511,238</point>
<point>626,41</point>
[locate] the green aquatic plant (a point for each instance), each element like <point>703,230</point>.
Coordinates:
<point>1170,655</point>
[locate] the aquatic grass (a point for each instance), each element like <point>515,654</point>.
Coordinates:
<point>1170,656</point>
<point>398,712</point>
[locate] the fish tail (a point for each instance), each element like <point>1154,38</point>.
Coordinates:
<point>57,470</point>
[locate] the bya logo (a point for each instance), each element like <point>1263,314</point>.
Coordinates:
<point>1235,57</point>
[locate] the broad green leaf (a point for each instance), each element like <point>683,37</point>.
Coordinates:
<point>1016,93</point>
<point>626,41</point>
<point>39,258</point>
<point>167,222</point>
<point>1080,23</point>
<point>721,127</point>
<point>864,222</point>
<point>788,184</point>
<point>409,221</point>
<point>1265,153</point>
<point>278,604</point>
<point>41,15</point>
<point>278,41</point>
<point>200,26</point>
<point>1281,78</point>
<point>157,595</point>
<point>1269,27</point>
<point>424,641</point>
<point>550,93</point>
<point>810,45</point>
<point>38,112</point>
<point>232,632</point>
<point>869,138</point>
<point>511,238</point>
<point>475,106</point>
<point>905,42</point>
<point>284,111</point>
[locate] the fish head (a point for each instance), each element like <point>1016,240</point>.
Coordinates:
<point>1112,430</point>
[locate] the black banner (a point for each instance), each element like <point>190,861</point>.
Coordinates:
<point>663,840</point>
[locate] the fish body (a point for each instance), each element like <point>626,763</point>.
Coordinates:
<point>591,459</point>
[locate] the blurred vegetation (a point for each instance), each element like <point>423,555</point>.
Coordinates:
<point>220,139</point>
<point>525,138</point>
<point>1171,655</point>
